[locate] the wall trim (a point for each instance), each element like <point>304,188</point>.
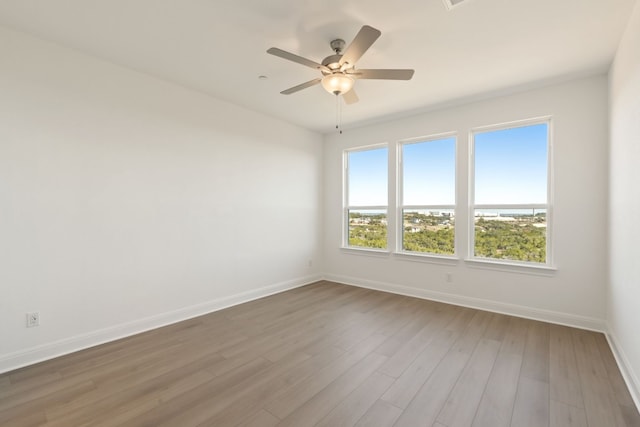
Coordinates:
<point>628,374</point>
<point>576,321</point>
<point>40,353</point>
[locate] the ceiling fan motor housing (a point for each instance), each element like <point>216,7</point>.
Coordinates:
<point>332,62</point>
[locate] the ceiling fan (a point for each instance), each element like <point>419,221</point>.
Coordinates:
<point>338,70</point>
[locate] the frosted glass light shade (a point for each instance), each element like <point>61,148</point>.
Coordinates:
<point>337,83</point>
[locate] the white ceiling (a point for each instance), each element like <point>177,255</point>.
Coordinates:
<point>218,46</point>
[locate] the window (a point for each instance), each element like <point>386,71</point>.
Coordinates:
<point>428,196</point>
<point>366,198</point>
<point>510,198</point>
<point>508,201</point>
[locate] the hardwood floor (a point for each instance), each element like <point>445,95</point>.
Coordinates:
<point>331,355</point>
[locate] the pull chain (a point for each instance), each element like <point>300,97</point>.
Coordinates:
<point>338,114</point>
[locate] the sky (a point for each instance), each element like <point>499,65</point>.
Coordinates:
<point>368,177</point>
<point>429,172</point>
<point>510,167</point>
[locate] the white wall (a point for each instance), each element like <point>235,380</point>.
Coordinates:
<point>127,202</point>
<point>623,312</point>
<point>575,293</point>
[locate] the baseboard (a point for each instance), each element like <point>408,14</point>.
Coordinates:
<point>559,318</point>
<point>48,351</point>
<point>628,374</point>
<point>51,350</point>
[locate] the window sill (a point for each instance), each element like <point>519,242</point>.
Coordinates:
<point>428,258</point>
<point>532,269</point>
<point>381,253</point>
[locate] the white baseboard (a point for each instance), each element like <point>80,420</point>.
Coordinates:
<point>628,374</point>
<point>11,361</point>
<point>559,318</point>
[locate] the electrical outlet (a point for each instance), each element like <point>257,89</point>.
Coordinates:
<point>33,319</point>
<point>310,263</point>
<point>449,277</point>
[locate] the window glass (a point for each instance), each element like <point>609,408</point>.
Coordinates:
<point>510,212</point>
<point>428,196</point>
<point>367,179</point>
<point>366,210</point>
<point>429,172</point>
<point>428,231</point>
<point>368,228</point>
<point>513,234</point>
<point>511,165</point>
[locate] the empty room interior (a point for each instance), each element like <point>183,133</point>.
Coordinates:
<point>338,213</point>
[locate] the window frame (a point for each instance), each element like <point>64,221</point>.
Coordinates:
<point>548,264</point>
<point>345,201</point>
<point>401,207</point>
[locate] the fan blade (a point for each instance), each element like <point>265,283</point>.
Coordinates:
<point>360,44</point>
<point>382,74</point>
<point>295,58</point>
<point>350,97</point>
<point>301,86</point>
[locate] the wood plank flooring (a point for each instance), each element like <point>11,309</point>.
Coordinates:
<point>331,355</point>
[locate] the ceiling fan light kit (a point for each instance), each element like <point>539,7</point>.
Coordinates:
<point>338,83</point>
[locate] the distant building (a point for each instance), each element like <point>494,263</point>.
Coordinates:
<point>487,214</point>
